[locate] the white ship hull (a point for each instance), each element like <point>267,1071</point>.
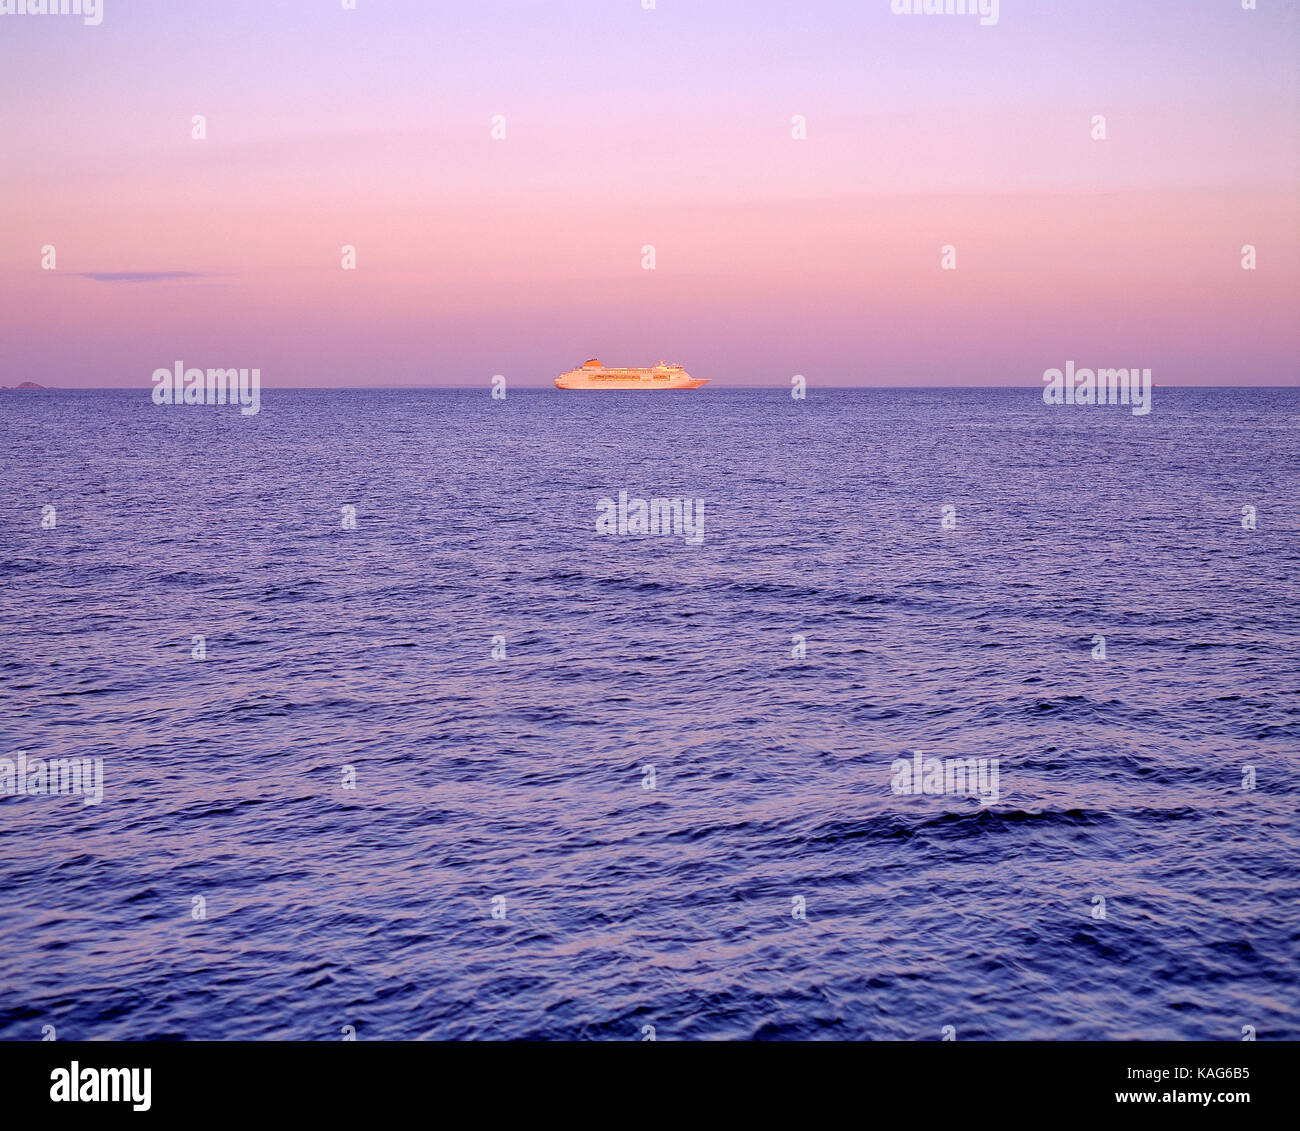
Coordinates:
<point>593,375</point>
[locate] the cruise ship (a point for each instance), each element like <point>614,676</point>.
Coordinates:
<point>594,375</point>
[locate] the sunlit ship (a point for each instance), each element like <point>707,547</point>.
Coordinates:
<point>593,375</point>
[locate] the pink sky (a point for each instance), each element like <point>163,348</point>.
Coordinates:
<point>669,127</point>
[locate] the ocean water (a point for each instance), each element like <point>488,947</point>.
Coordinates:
<point>500,867</point>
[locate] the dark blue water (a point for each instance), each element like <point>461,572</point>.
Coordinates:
<point>525,778</point>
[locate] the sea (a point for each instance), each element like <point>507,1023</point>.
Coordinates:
<point>393,740</point>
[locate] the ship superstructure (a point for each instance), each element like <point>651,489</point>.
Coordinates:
<point>594,375</point>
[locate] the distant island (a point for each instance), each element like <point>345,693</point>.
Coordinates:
<point>24,385</point>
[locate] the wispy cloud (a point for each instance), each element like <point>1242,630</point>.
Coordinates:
<point>137,276</point>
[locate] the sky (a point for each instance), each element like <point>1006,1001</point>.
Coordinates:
<point>671,127</point>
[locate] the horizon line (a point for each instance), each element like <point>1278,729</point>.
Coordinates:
<point>480,387</point>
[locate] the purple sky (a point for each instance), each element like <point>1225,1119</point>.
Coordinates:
<point>670,127</point>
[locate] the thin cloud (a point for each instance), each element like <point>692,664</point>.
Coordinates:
<point>137,276</point>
